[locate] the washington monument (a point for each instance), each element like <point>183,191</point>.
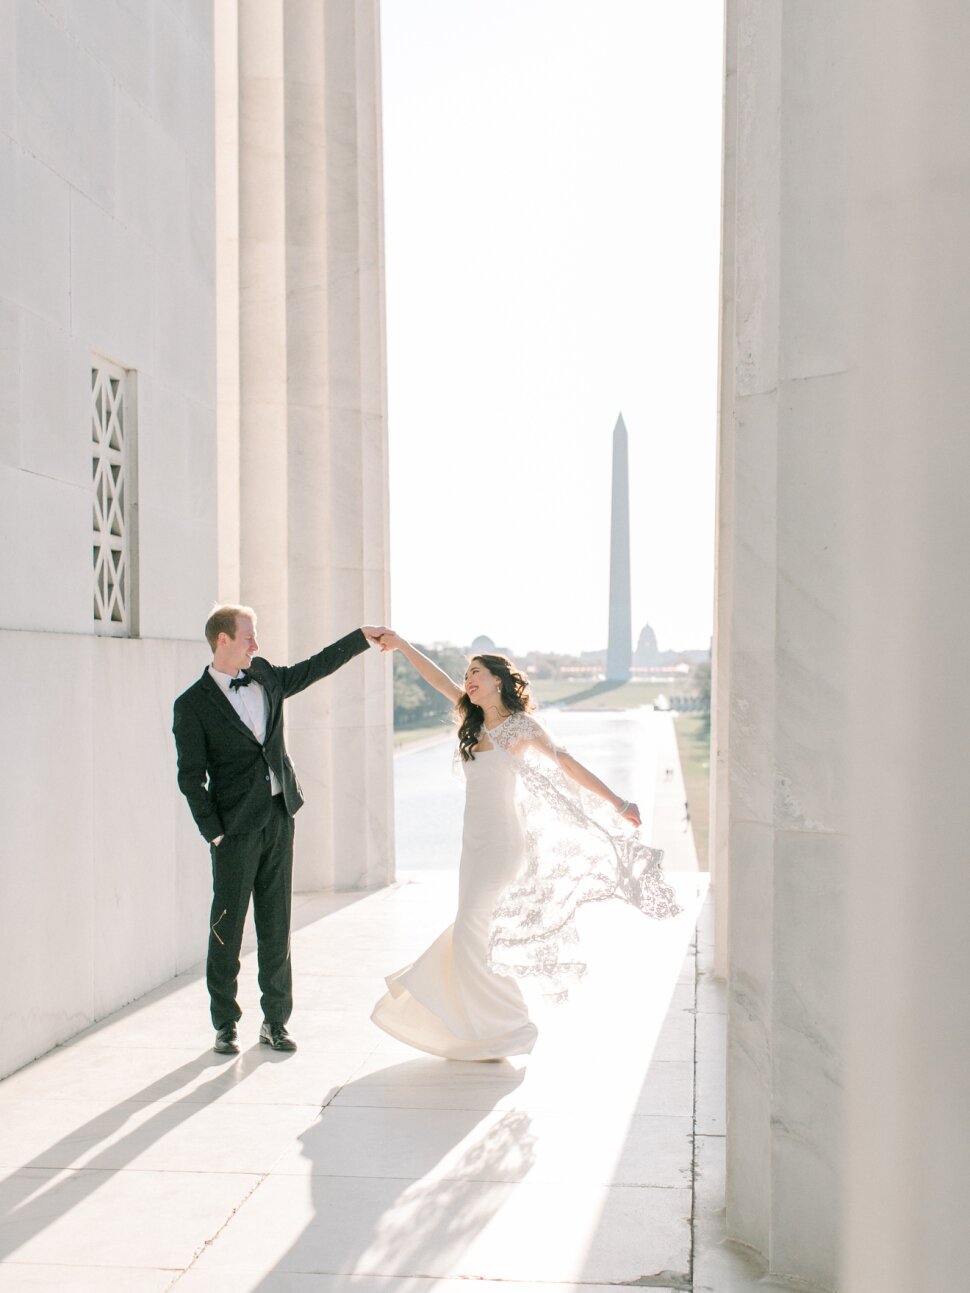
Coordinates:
<point>619,649</point>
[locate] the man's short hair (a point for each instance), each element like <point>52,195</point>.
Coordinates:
<point>223,620</point>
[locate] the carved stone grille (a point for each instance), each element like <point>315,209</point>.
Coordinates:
<point>111,473</point>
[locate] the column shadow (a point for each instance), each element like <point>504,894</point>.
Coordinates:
<point>597,689</point>
<point>306,913</point>
<point>411,1221</point>
<point>27,1207</point>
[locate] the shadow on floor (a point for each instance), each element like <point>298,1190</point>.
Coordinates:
<point>304,915</point>
<point>399,1216</point>
<point>27,1207</point>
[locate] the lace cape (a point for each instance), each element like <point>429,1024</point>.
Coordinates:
<point>576,852</point>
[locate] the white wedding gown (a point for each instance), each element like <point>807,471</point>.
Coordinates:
<point>448,1002</point>
<point>535,850</point>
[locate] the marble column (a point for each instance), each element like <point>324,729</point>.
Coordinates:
<point>310,526</point>
<point>780,817</point>
<point>262,355</point>
<point>620,645</point>
<point>908,957</point>
<point>843,623</point>
<point>719,855</point>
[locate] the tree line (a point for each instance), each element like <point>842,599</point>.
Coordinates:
<point>416,704</point>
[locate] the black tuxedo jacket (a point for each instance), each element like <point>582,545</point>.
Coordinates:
<point>223,771</point>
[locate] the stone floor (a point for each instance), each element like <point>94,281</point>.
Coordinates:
<point>134,1158</point>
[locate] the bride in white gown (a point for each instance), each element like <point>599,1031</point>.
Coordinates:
<point>534,849</point>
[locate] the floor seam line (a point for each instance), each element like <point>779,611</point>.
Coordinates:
<point>207,1243</point>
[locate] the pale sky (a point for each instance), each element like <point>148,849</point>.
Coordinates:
<point>552,195</point>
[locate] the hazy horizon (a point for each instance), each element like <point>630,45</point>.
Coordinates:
<point>552,214</point>
<point>515,651</point>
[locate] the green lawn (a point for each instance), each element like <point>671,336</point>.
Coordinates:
<point>694,744</point>
<point>408,735</point>
<point>598,695</point>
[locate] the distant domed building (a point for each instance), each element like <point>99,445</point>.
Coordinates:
<point>484,643</point>
<point>647,652</point>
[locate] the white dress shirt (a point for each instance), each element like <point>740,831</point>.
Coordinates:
<point>250,704</point>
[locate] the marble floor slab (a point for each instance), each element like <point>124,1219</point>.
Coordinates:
<point>289,1282</point>
<point>25,1277</point>
<point>511,1146</point>
<point>99,1217</point>
<point>459,1229</point>
<point>133,1158</point>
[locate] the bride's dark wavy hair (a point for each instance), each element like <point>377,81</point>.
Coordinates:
<point>514,687</point>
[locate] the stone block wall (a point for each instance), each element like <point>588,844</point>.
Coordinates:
<point>108,254</point>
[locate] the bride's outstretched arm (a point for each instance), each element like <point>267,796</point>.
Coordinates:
<point>428,670</point>
<point>577,772</point>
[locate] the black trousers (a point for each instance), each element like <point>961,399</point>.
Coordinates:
<point>257,864</point>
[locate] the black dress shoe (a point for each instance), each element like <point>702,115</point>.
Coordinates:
<point>275,1035</point>
<point>226,1043</point>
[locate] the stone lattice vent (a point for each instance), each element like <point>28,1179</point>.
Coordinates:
<point>112,470</point>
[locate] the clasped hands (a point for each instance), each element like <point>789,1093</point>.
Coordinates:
<point>380,636</point>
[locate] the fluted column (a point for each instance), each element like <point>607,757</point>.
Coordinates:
<point>226,58</point>
<point>908,956</point>
<point>312,456</point>
<point>337,521</point>
<point>781,645</point>
<point>263,367</point>
<point>724,519</point>
<point>748,553</point>
<point>848,818</point>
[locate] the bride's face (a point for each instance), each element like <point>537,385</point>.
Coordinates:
<point>481,687</point>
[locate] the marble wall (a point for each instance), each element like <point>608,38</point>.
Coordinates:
<point>104,890</point>
<point>158,161</point>
<point>106,219</point>
<point>106,226</point>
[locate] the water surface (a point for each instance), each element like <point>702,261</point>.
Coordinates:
<point>619,746</point>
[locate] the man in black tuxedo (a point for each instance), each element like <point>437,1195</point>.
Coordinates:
<point>234,770</point>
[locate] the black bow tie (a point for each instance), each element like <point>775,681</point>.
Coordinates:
<point>243,681</point>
